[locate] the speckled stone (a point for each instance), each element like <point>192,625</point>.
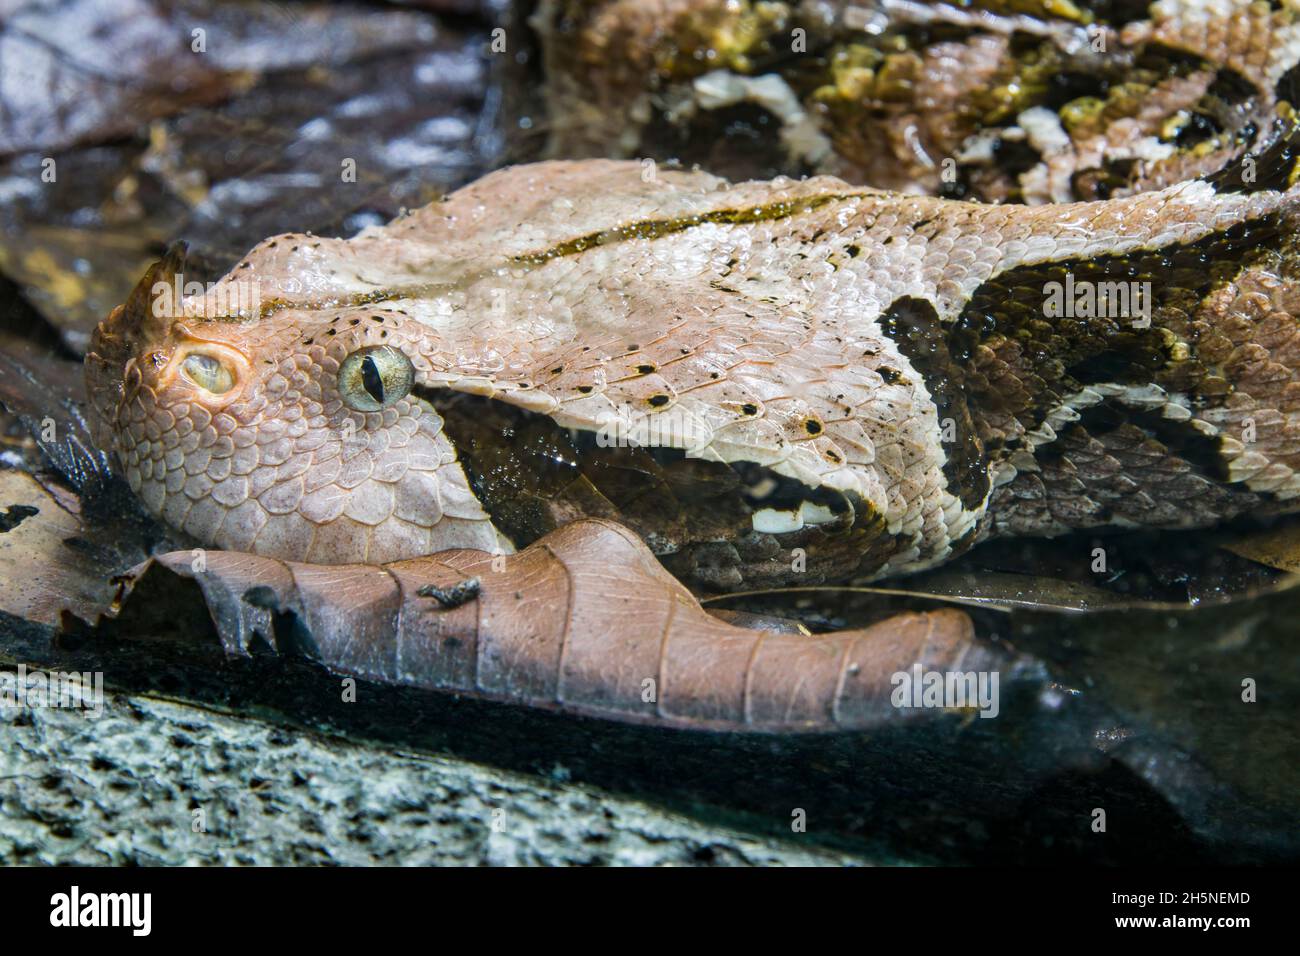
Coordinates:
<point>124,788</point>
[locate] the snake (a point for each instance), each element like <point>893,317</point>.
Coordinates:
<point>833,377</point>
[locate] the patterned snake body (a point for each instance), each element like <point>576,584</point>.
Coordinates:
<point>767,381</point>
<point>784,380</point>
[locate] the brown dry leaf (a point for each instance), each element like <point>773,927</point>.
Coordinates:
<point>585,621</point>
<point>86,71</point>
<point>79,274</point>
<point>292,116</point>
<point>1276,547</point>
<point>40,574</point>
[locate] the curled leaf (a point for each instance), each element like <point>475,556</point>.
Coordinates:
<point>585,621</point>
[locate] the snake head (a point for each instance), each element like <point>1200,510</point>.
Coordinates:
<point>350,431</point>
<point>276,437</point>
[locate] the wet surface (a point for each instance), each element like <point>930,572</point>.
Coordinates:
<point>306,117</point>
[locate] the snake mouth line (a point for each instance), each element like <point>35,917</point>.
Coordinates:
<point>531,475</point>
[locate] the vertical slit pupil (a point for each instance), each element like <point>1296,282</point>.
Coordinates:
<point>371,380</point>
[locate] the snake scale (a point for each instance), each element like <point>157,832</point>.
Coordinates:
<point>799,379</point>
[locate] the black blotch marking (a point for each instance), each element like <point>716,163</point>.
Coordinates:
<point>1198,128</point>
<point>15,515</point>
<point>783,493</point>
<point>1271,168</point>
<point>645,369</point>
<point>1115,12</point>
<point>1102,182</point>
<point>890,375</point>
<point>1288,86</point>
<point>813,426</point>
<point>659,401</point>
<point>1053,357</point>
<point>958,188</point>
<point>1013,157</point>
<point>1203,452</point>
<point>586,389</point>
<point>749,409</point>
<point>1232,88</point>
<point>914,326</point>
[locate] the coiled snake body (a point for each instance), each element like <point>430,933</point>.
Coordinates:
<point>769,381</point>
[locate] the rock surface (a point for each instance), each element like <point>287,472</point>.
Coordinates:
<point>152,781</point>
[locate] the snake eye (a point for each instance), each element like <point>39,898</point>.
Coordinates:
<point>208,372</point>
<point>374,378</point>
